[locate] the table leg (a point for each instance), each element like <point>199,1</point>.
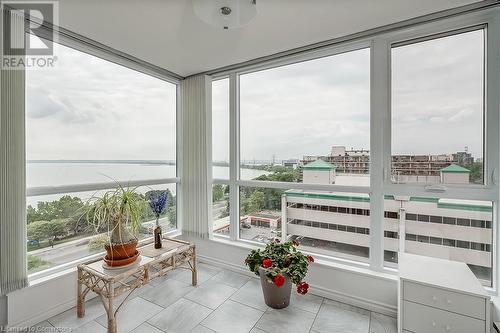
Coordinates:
<point>111,312</point>
<point>194,272</point>
<point>80,304</point>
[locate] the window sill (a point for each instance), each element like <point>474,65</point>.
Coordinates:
<point>321,260</point>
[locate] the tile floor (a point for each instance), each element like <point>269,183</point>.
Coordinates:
<point>223,301</point>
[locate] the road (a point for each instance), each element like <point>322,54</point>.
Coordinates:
<point>65,252</point>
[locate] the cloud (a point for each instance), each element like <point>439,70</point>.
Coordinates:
<point>89,108</point>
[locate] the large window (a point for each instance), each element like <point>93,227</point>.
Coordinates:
<point>438,140</point>
<point>92,121</point>
<point>293,115</point>
<point>438,110</point>
<point>308,123</point>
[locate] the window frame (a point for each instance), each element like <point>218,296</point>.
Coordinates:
<point>380,130</point>
<point>95,49</point>
<point>489,191</point>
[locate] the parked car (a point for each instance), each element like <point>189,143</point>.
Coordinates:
<point>33,242</point>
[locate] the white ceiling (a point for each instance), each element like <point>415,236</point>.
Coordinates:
<point>166,33</point>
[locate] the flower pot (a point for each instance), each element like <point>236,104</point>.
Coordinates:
<point>121,254</point>
<point>274,296</point>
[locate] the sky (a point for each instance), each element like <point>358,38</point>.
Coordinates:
<point>89,108</point>
<point>305,108</point>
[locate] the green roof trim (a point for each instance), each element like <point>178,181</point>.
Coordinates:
<point>354,198</point>
<point>475,208</point>
<point>319,165</point>
<point>423,199</point>
<point>329,196</point>
<point>453,168</point>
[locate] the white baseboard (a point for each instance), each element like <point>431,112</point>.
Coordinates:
<point>35,319</point>
<point>46,314</point>
<point>315,290</point>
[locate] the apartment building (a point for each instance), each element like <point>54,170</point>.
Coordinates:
<point>329,222</point>
<point>419,167</point>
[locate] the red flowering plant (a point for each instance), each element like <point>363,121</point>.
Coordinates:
<point>280,259</point>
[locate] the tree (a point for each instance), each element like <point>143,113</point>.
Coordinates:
<point>51,230</point>
<point>476,172</point>
<point>67,207</point>
<point>254,203</point>
<point>37,230</point>
<point>218,191</point>
<point>172,215</point>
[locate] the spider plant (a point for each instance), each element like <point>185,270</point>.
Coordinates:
<point>120,211</point>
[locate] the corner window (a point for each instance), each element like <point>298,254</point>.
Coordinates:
<point>90,121</point>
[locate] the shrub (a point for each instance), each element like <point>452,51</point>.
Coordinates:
<point>36,262</point>
<point>97,242</point>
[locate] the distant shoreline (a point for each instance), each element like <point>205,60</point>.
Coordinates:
<point>137,162</point>
<point>162,162</point>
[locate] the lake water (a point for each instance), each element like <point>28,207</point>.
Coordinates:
<point>57,174</point>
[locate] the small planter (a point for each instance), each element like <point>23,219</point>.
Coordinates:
<point>274,296</point>
<point>121,254</point>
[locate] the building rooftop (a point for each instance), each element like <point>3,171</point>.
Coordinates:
<point>453,168</point>
<point>470,205</point>
<point>319,165</point>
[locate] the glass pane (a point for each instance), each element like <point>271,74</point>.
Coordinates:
<point>331,223</point>
<point>459,230</point>
<point>220,128</point>
<point>220,209</point>
<point>437,110</point>
<point>294,115</point>
<point>260,213</point>
<point>58,231</point>
<point>89,120</point>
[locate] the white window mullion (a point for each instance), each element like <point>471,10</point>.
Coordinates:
<point>492,136</point>
<point>234,155</point>
<point>379,147</point>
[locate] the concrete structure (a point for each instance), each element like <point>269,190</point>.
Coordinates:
<point>455,174</point>
<point>340,223</point>
<point>291,163</point>
<point>261,220</point>
<point>319,172</point>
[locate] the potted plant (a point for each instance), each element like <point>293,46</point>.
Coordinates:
<point>279,265</point>
<point>120,211</point>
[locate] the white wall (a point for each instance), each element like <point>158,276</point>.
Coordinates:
<point>40,301</point>
<point>455,177</point>
<point>318,176</point>
<point>355,286</point>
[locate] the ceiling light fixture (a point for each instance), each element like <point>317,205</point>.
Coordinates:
<point>226,14</point>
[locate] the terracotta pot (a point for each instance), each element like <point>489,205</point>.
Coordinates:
<point>274,296</point>
<point>121,262</point>
<point>121,251</point>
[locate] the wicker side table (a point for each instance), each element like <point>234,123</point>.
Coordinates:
<point>109,284</point>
